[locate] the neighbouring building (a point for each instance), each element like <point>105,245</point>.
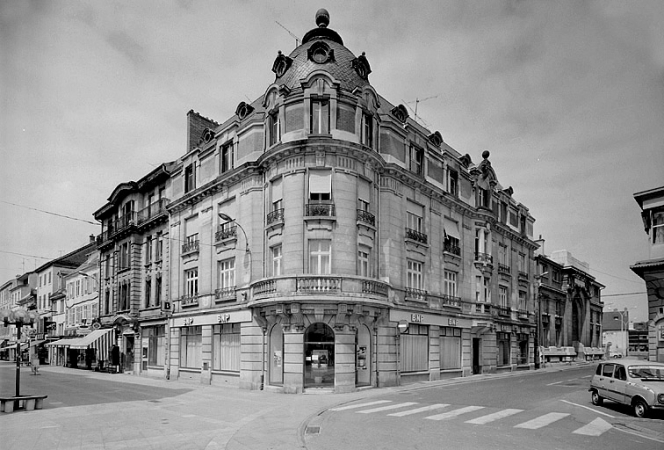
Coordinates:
<point>7,333</point>
<point>134,250</point>
<point>615,325</point>
<point>651,270</point>
<point>322,238</point>
<point>570,306</point>
<point>638,340</point>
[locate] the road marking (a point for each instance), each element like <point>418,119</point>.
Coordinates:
<point>419,410</point>
<point>360,405</point>
<point>495,416</point>
<point>591,409</point>
<point>456,412</point>
<point>594,428</point>
<point>557,382</point>
<point>387,408</point>
<point>541,421</point>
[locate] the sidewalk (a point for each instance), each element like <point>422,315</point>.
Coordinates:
<point>206,417</point>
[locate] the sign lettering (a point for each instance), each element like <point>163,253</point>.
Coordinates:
<point>416,318</point>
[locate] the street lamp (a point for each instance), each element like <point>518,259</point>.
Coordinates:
<point>19,317</point>
<point>228,218</point>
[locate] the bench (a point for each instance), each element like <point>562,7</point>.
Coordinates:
<point>25,402</point>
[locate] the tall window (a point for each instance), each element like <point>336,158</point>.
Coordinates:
<point>367,129</point>
<point>363,258</point>
<point>415,348</point>
<point>190,347</point>
<point>125,289</point>
<point>453,182</point>
<point>522,300</point>
<point>124,256</point>
<point>189,178</point>
<point>319,117</point>
<point>487,289</point>
<point>450,348</point>
<point>160,246</point>
<point>483,198</point>
<point>450,283</point>
<point>658,227</point>
<point>522,263</point>
<point>414,275</point>
<point>415,221</point>
<point>226,279</point>
<point>416,159</point>
<point>320,185</point>
<point>320,256</point>
<point>276,261</point>
<point>148,291</point>
<point>502,296</point>
<point>275,129</point>
<point>502,254</point>
<point>191,282</point>
<point>148,250</point>
<point>226,347</point>
<point>157,291</point>
<point>226,157</point>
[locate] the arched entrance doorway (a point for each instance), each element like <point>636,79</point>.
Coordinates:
<point>276,355</point>
<point>318,356</point>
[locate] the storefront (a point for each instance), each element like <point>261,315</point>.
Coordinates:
<point>431,346</point>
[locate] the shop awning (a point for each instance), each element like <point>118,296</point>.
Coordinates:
<point>452,228</point>
<point>62,342</point>
<point>37,342</point>
<point>100,340</point>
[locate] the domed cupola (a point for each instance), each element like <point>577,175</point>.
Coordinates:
<point>322,49</point>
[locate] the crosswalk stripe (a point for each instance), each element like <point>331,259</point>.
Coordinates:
<point>387,408</point>
<point>419,410</point>
<point>541,421</point>
<point>456,412</point>
<point>360,405</point>
<point>495,416</point>
<point>594,428</point>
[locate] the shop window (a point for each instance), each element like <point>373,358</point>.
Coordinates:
<point>155,345</point>
<point>522,338</point>
<point>226,347</point>
<point>415,348</point>
<point>190,347</point>
<point>450,348</point>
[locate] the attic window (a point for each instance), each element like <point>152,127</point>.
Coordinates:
<point>281,64</point>
<point>208,135</point>
<point>436,139</point>
<point>361,66</point>
<point>243,110</point>
<point>320,53</point>
<point>400,113</point>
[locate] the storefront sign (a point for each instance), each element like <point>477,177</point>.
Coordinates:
<point>212,319</point>
<point>429,319</point>
<point>452,322</point>
<point>416,318</point>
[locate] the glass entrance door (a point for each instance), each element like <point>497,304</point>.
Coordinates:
<point>318,356</point>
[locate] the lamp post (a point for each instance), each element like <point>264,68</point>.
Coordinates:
<point>228,218</point>
<point>19,317</point>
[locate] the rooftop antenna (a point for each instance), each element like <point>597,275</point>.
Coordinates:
<point>417,102</point>
<point>297,40</point>
<point>417,118</point>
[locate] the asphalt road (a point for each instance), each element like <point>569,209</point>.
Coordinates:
<point>546,410</point>
<point>72,390</point>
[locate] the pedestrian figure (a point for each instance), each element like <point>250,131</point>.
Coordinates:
<point>35,364</point>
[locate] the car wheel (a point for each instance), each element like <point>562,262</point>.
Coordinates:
<point>640,408</point>
<point>596,398</point>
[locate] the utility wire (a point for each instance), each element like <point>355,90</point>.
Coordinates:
<point>22,254</point>
<point>626,293</point>
<point>51,213</point>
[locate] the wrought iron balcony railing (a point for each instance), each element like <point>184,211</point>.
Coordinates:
<point>320,210</point>
<point>156,209</point>
<point>190,247</point>
<point>416,236</point>
<point>502,268</point>
<point>366,217</point>
<point>276,216</point>
<point>226,231</point>
<point>451,248</point>
<point>483,257</point>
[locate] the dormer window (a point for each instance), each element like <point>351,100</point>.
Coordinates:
<point>189,178</point>
<point>281,64</point>
<point>361,66</point>
<point>320,53</point>
<point>243,110</point>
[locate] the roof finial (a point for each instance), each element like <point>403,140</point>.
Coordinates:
<point>322,18</point>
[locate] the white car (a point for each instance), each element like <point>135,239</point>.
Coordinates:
<point>632,382</point>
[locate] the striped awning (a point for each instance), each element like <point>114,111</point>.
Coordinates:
<point>100,340</point>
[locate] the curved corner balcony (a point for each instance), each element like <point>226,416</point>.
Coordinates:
<point>319,285</point>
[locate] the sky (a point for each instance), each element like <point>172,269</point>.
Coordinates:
<point>568,97</point>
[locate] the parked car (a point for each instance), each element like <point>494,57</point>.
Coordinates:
<point>632,382</point>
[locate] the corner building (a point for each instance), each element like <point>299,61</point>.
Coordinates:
<point>322,238</point>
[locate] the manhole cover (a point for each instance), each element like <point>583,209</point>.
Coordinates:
<point>312,430</point>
